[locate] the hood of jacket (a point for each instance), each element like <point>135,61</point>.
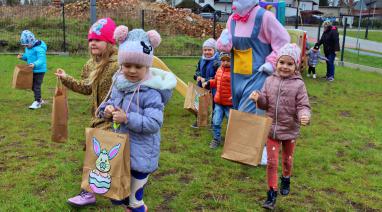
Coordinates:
<point>158,79</point>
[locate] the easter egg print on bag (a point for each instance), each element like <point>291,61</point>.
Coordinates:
<point>99,178</point>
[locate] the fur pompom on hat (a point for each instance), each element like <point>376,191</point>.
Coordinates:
<point>292,50</point>
<point>136,46</point>
<point>103,30</point>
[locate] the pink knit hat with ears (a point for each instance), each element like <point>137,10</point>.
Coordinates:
<point>103,30</point>
<point>136,46</point>
<point>292,50</point>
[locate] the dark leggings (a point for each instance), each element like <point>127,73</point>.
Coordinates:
<point>36,88</point>
<point>312,70</point>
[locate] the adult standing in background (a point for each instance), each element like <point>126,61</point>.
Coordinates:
<point>331,41</point>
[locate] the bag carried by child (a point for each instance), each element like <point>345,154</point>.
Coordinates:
<point>246,136</point>
<point>106,169</point>
<point>60,114</point>
<point>22,77</point>
<point>204,109</point>
<point>198,101</point>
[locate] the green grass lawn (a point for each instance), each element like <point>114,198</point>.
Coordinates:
<point>366,60</point>
<point>337,163</point>
<point>372,35</point>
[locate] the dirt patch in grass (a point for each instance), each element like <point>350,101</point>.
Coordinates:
<point>173,149</point>
<point>340,153</point>
<point>2,137</point>
<point>370,145</point>
<point>167,198</point>
<point>3,167</point>
<point>7,187</point>
<point>360,206</point>
<point>185,178</point>
<point>160,174</point>
<point>345,113</point>
<point>242,176</point>
<point>195,133</point>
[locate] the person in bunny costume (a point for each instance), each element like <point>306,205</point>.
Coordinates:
<point>253,36</point>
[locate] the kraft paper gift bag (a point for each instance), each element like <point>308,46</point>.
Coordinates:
<point>204,109</point>
<point>22,77</point>
<point>191,102</point>
<point>246,137</point>
<point>106,168</point>
<point>60,114</point>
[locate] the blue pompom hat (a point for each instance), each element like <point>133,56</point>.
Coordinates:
<point>27,38</point>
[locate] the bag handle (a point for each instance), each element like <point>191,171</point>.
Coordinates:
<point>108,93</point>
<point>246,103</point>
<point>58,83</point>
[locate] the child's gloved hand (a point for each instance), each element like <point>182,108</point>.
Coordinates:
<point>254,96</point>
<point>108,111</point>
<point>304,120</point>
<point>19,56</point>
<point>31,65</point>
<point>267,68</point>
<point>60,73</point>
<point>119,116</point>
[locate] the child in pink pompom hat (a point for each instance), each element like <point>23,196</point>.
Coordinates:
<point>138,97</point>
<point>285,99</point>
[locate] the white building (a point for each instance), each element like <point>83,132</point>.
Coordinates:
<point>291,6</point>
<point>222,5</point>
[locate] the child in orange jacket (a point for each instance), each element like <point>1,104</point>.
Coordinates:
<point>222,98</point>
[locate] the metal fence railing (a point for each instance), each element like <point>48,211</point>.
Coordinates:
<point>66,31</point>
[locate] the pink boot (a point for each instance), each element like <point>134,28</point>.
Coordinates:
<point>83,199</point>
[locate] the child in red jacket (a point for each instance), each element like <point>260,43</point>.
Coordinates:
<point>223,97</point>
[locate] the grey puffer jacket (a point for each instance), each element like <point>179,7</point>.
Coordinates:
<point>285,100</point>
<point>144,110</point>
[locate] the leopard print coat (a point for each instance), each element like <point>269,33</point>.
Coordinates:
<point>98,90</point>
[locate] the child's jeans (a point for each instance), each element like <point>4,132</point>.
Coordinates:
<point>219,112</point>
<point>135,200</point>
<point>36,87</point>
<point>273,148</point>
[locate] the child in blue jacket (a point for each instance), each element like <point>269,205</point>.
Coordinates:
<point>35,56</point>
<point>207,66</point>
<point>138,97</point>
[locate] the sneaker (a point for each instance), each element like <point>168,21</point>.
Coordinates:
<point>330,79</point>
<point>35,105</point>
<point>83,199</point>
<point>195,125</point>
<point>270,203</point>
<point>285,186</point>
<point>314,76</point>
<point>214,144</point>
<point>308,75</point>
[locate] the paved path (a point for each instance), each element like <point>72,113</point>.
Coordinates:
<point>350,42</point>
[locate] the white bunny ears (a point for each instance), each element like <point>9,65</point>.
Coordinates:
<point>121,34</point>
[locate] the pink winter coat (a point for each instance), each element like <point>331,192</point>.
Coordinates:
<point>285,100</point>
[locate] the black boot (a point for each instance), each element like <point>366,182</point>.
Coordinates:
<point>285,186</point>
<point>270,203</point>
